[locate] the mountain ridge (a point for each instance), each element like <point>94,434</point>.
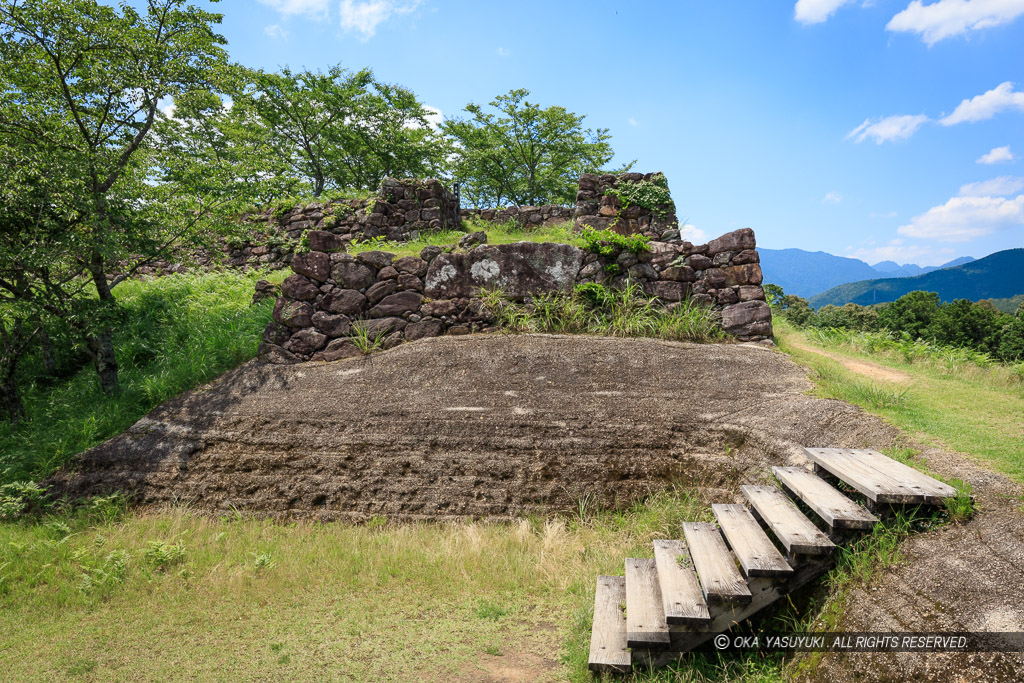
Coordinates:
<point>998,275</point>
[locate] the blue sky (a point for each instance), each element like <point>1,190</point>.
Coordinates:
<point>879,130</point>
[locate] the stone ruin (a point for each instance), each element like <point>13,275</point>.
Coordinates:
<point>399,211</point>
<point>335,298</point>
<point>598,207</point>
<point>525,217</point>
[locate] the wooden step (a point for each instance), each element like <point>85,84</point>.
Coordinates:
<point>877,485</point>
<point>645,612</point>
<point>797,534</point>
<point>680,589</point>
<point>608,649</point>
<point>933,490</point>
<point>838,511</point>
<point>720,579</point>
<point>757,554</point>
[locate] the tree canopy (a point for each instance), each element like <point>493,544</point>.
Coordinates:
<point>523,154</point>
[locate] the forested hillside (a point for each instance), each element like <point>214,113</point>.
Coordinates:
<point>998,275</point>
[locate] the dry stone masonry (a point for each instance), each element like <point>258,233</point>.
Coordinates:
<point>525,217</point>
<point>399,212</point>
<point>599,206</point>
<point>335,302</point>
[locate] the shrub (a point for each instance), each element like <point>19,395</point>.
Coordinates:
<point>650,194</point>
<point>608,242</point>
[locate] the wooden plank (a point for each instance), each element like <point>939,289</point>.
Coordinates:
<point>681,596</point>
<point>608,649</point>
<point>720,579</point>
<point>724,616</point>
<point>877,486</point>
<point>933,490</point>
<point>797,534</point>
<point>755,551</point>
<point>645,614</point>
<point>838,511</point>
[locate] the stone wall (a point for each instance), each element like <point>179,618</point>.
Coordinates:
<point>524,216</point>
<point>335,301</point>
<point>600,210</point>
<point>399,211</point>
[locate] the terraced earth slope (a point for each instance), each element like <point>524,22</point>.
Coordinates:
<point>490,425</point>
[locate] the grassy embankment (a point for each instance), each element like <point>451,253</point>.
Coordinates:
<point>101,593</point>
<point>950,398</point>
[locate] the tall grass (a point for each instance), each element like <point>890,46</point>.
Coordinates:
<point>949,360</point>
<point>616,312</point>
<point>176,332</point>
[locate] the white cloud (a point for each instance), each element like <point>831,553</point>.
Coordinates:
<point>1002,186</point>
<point>947,18</point>
<point>888,129</point>
<point>365,16</point>
<point>816,11</point>
<point>900,252</point>
<point>832,198</point>
<point>632,121</point>
<point>275,31</point>
<point>434,116</point>
<point>996,156</point>
<point>502,52</point>
<point>691,233</point>
<point>966,218</point>
<point>315,9</point>
<point>986,105</point>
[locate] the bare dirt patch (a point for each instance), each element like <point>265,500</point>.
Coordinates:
<point>491,425</point>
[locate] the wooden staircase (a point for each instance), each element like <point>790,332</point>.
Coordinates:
<point>721,575</point>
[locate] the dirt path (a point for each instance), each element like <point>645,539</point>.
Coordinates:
<point>869,370</point>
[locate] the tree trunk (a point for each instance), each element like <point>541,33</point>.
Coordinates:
<point>100,344</point>
<point>318,187</point>
<point>101,350</point>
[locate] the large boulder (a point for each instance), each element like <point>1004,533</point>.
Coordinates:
<point>299,288</point>
<point>518,269</point>
<point>315,265</point>
<point>733,241</point>
<point>397,304</point>
<point>748,320</point>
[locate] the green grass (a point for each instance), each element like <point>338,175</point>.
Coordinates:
<point>178,595</point>
<point>954,403</point>
<point>177,332</point>
<point>497,233</point>
<point>595,309</point>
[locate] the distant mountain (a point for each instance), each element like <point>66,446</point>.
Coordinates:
<point>806,273</point>
<point>998,275</point>
<point>958,261</point>
<point>893,269</point>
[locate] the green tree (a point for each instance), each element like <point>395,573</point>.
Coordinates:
<point>967,324</point>
<point>90,195</point>
<point>338,129</point>
<point>795,309</point>
<point>912,313</point>
<point>1011,339</point>
<point>849,316</point>
<point>523,154</point>
<point>773,294</point>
